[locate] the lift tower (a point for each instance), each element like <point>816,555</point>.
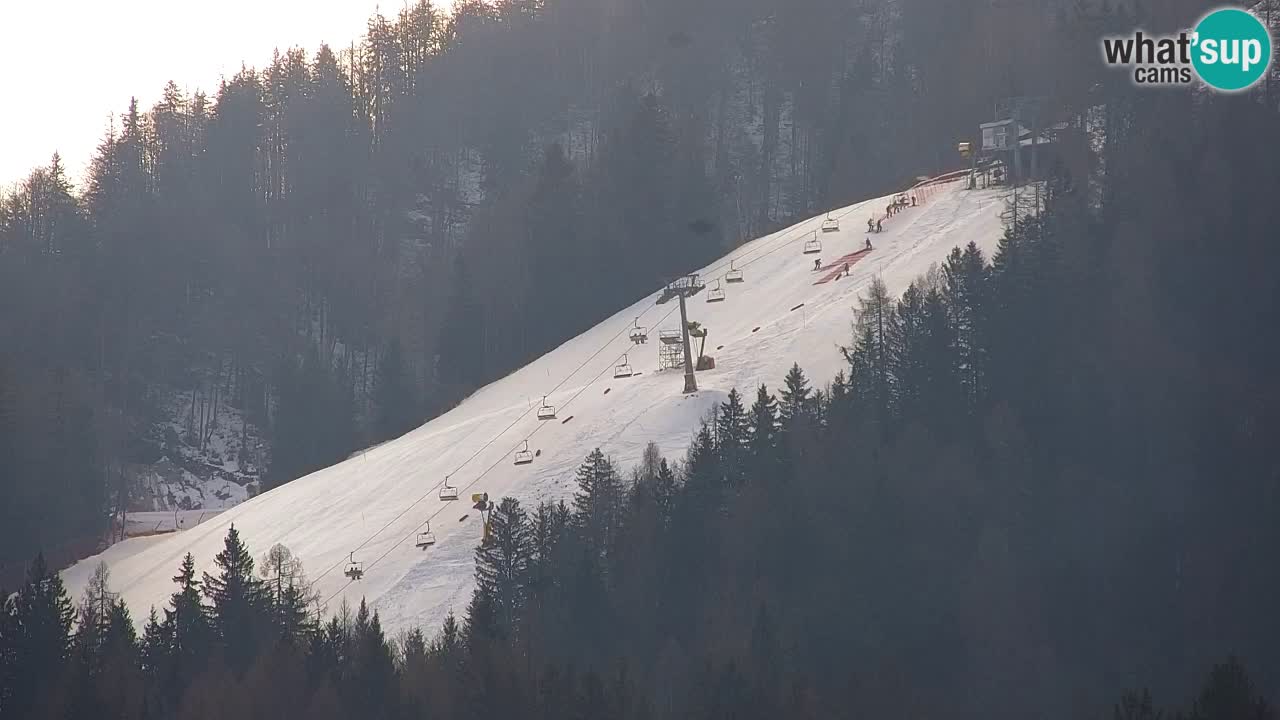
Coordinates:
<point>684,288</point>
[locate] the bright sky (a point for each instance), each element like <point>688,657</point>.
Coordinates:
<point>66,65</point>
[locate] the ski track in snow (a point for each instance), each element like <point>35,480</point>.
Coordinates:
<point>326,515</point>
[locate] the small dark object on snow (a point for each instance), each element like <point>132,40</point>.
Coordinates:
<point>755,328</point>
<point>566,420</point>
<point>797,307</point>
<point>464,517</point>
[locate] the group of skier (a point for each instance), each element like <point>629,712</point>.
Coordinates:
<point>901,202</point>
<point>898,205</point>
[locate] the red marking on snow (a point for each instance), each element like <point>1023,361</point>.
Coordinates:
<point>837,267</point>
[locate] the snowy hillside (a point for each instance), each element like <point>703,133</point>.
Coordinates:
<point>374,503</point>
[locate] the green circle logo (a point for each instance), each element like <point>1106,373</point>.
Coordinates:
<point>1231,49</point>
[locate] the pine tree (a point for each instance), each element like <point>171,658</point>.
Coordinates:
<point>597,503</point>
<point>733,436</point>
<point>665,492</point>
<point>763,441</point>
<point>447,643</point>
<point>371,672</point>
<point>703,477</point>
<point>43,615</point>
<point>238,606</point>
<point>187,623</point>
<point>503,566</point>
<point>965,287</point>
<point>796,401</point>
<point>120,685</point>
<point>1230,693</point>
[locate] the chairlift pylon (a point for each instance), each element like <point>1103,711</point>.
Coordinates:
<point>426,538</point>
<point>546,412</point>
<point>623,369</point>
<point>639,335</point>
<point>447,491</point>
<point>813,246</point>
<point>355,569</point>
<point>715,294</point>
<point>523,456</point>
<point>734,275</point>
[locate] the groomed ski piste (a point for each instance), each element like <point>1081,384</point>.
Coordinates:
<point>372,506</point>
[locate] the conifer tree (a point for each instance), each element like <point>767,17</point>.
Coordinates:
<point>665,492</point>
<point>965,286</point>
<point>43,615</point>
<point>187,625</point>
<point>764,429</point>
<point>733,436</point>
<point>796,401</point>
<point>371,670</point>
<point>237,600</point>
<point>597,503</point>
<point>503,565</point>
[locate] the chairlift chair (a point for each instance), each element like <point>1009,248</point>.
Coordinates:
<point>523,456</point>
<point>426,538</point>
<point>830,224</point>
<point>623,369</point>
<point>639,335</point>
<point>546,412</point>
<point>734,275</point>
<point>355,570</point>
<point>715,294</point>
<point>448,492</point>
<point>813,246</point>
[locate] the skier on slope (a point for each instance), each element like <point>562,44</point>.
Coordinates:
<point>868,245</point>
<point>817,264</point>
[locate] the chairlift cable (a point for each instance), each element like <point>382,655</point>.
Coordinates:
<point>781,242</point>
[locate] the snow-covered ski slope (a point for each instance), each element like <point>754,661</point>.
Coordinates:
<point>374,503</point>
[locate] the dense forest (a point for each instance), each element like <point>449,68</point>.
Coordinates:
<point>319,254</point>
<point>1046,477</point>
